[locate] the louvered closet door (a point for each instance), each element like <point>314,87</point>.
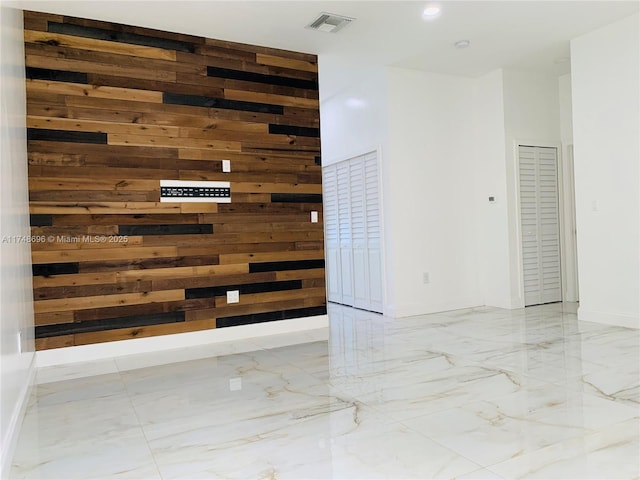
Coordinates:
<point>331,232</point>
<point>359,232</point>
<point>344,231</point>
<point>540,225</point>
<point>353,233</point>
<point>373,232</point>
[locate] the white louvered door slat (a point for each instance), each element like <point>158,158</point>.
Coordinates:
<point>539,221</point>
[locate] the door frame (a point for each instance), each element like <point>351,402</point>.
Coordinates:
<point>566,202</point>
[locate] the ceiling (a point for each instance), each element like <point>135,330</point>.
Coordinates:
<point>526,35</point>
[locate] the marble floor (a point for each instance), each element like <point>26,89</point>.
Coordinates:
<point>471,394</point>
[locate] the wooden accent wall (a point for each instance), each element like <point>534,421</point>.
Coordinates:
<point>112,110</point>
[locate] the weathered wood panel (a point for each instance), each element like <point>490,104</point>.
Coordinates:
<point>112,110</point>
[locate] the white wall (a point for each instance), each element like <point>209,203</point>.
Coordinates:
<point>569,247</point>
<point>606,132</point>
<point>491,180</point>
<point>531,116</point>
<point>509,107</point>
<point>16,304</point>
<point>566,110</point>
<point>422,124</point>
<point>354,121</point>
<point>430,189</point>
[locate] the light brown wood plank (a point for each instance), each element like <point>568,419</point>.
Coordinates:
<point>56,256</point>
<point>76,279</point>
<point>168,141</point>
<point>90,67</point>
<point>300,274</point>
<point>86,242</point>
<point>53,318</point>
<point>54,183</point>
<point>274,188</point>
<point>130,208</point>
<point>180,272</point>
<point>234,258</point>
<point>54,342</point>
<point>99,126</point>
<point>81,90</point>
<point>80,303</point>
<point>98,45</point>
<point>278,61</point>
<point>198,207</point>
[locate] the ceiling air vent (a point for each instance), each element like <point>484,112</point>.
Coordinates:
<point>329,22</point>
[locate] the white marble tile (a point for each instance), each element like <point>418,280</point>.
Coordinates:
<point>344,443</point>
<point>492,431</point>
<point>87,388</point>
<point>126,455</point>
<point>481,474</point>
<point>448,388</point>
<point>612,453</point>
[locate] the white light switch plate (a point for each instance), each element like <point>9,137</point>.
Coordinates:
<point>233,296</point>
<point>226,166</point>
<point>314,217</point>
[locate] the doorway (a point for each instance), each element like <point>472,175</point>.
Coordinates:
<point>540,224</point>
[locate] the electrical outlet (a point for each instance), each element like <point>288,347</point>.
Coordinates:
<point>314,217</point>
<point>226,166</point>
<point>233,296</point>
<point>425,277</point>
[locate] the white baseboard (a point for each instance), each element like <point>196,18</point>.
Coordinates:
<point>100,351</point>
<point>10,441</point>
<point>609,318</point>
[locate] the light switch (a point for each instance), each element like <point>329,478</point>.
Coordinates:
<point>314,217</point>
<point>226,166</point>
<point>233,296</point>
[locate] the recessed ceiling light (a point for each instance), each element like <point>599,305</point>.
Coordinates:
<point>431,11</point>
<point>462,44</point>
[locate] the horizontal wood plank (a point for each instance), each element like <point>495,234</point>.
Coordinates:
<point>86,254</point>
<point>276,60</point>
<point>66,304</point>
<point>73,41</point>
